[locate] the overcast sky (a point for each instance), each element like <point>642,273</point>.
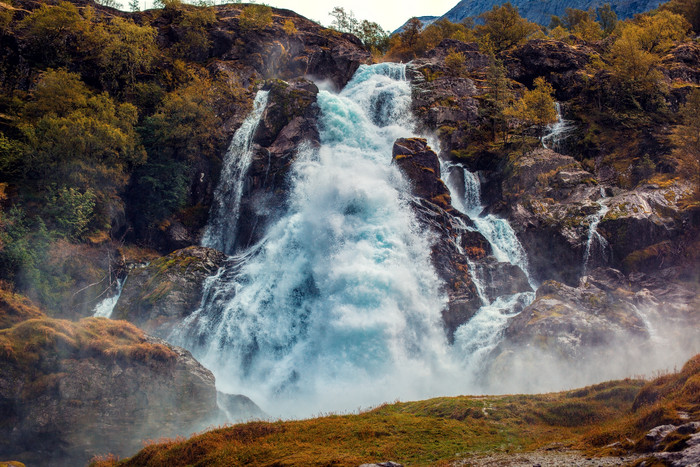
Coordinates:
<point>390,14</point>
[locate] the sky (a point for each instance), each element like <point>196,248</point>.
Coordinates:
<point>390,14</point>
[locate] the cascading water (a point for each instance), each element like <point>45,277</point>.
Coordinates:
<point>338,306</point>
<point>221,231</point>
<point>596,243</point>
<point>481,334</point>
<point>557,131</point>
<point>105,308</point>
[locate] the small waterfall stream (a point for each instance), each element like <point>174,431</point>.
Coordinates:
<point>105,308</point>
<point>557,131</point>
<point>596,245</point>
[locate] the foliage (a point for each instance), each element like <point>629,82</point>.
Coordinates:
<point>53,34</point>
<point>689,9</point>
<point>194,44</point>
<point>129,50</point>
<point>499,97</point>
<point>607,19</point>
<point>535,107</point>
<point>254,17</point>
<point>289,27</point>
<point>370,33</point>
<point>110,3</point>
<point>442,29</point>
<point>71,210</point>
<point>505,27</point>
<point>455,63</point>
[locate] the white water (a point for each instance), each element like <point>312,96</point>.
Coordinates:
<point>497,230</point>
<point>338,306</point>
<point>484,331</point>
<point>596,243</point>
<point>557,131</point>
<point>105,308</point>
<point>221,231</point>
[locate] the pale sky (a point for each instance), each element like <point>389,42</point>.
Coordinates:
<point>390,14</point>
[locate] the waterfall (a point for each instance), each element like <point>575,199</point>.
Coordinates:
<point>557,131</point>
<point>105,308</point>
<point>498,231</point>
<point>477,337</point>
<point>338,306</point>
<point>220,232</point>
<point>595,238</point>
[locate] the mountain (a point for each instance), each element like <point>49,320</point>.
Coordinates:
<point>541,11</point>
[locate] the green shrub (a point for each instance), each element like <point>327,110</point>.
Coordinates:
<point>255,17</point>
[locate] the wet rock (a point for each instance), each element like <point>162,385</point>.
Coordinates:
<point>421,166</point>
<point>288,126</point>
<point>569,321</point>
<point>159,296</point>
<point>237,408</point>
<point>459,252</point>
<point>94,387</point>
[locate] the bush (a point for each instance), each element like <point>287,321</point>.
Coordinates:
<point>255,17</point>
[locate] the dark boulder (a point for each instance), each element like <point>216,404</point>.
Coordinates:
<point>159,296</point>
<point>95,387</point>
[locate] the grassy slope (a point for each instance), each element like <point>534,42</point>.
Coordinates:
<point>437,431</point>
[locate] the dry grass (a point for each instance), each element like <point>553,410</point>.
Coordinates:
<point>439,431</point>
<point>15,308</point>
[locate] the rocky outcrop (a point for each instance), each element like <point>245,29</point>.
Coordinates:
<point>69,391</point>
<point>459,251</point>
<point>442,100</point>
<point>237,408</point>
<point>682,63</point>
<point>288,126</point>
<point>274,51</point>
<point>160,295</point>
<point>551,203</point>
<point>609,317</point>
<point>559,63</point>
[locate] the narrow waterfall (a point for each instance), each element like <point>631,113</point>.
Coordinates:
<point>338,306</point>
<point>221,231</point>
<point>596,245</point>
<point>557,131</point>
<point>105,308</point>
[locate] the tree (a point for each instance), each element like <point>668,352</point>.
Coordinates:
<point>371,34</point>
<point>194,43</point>
<point>134,5</point>
<point>110,3</point>
<point>344,21</point>
<point>534,108</point>
<point>689,9</point>
<point>498,98</point>
<point>505,27</point>
<point>53,34</point>
<point>455,63</point>
<point>607,18</point>
<point>128,51</point>
<point>657,33</point>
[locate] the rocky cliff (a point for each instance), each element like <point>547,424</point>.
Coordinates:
<point>69,391</point>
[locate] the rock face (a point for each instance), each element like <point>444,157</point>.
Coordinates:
<point>288,126</point>
<point>557,62</point>
<point>608,317</point>
<point>443,101</point>
<point>455,246</point>
<point>94,387</point>
<point>159,296</point>
<point>276,52</point>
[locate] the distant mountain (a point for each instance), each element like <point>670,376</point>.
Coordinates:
<point>541,11</point>
<point>426,20</point>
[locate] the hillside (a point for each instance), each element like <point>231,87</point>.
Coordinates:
<point>616,419</point>
<point>541,12</point>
